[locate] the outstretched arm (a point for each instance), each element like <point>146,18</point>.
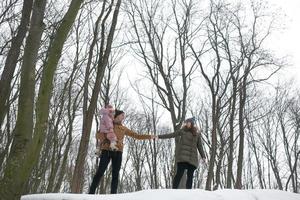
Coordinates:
<point>170,135</point>
<point>137,136</point>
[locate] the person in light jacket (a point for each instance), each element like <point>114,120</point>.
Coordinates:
<point>187,151</point>
<point>115,156</point>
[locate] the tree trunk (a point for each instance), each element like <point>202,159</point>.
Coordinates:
<point>231,137</point>
<point>12,57</point>
<point>257,159</point>
<point>242,95</point>
<point>13,182</point>
<point>42,109</point>
<point>55,158</point>
<point>219,164</point>
<point>213,149</point>
<point>77,181</point>
<point>47,80</point>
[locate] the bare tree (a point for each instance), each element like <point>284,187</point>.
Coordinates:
<point>105,49</point>
<point>209,61</point>
<point>24,126</point>
<point>169,73</point>
<point>215,83</point>
<point>27,143</point>
<point>287,113</point>
<point>236,55</point>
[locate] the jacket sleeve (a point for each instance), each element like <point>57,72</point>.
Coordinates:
<point>170,135</point>
<point>135,135</point>
<point>200,147</point>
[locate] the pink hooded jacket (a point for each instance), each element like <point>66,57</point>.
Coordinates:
<point>106,122</point>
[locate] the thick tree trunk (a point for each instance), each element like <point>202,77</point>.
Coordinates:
<point>14,180</point>
<point>31,154</point>
<point>47,81</point>
<point>12,58</point>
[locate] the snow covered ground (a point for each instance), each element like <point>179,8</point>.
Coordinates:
<point>168,194</point>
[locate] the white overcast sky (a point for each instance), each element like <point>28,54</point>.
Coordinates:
<point>285,42</point>
<point>288,41</point>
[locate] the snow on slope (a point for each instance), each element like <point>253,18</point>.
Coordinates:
<point>169,194</point>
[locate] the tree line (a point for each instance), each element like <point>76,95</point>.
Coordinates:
<point>61,62</point>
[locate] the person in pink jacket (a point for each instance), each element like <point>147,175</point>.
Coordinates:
<point>107,126</point>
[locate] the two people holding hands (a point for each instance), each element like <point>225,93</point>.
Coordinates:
<point>111,139</point>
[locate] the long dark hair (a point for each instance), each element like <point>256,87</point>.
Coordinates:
<point>193,129</point>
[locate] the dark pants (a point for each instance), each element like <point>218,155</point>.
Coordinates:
<point>181,166</point>
<point>106,156</point>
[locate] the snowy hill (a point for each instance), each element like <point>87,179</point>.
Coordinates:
<point>168,194</point>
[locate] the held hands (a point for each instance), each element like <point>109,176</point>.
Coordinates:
<point>154,137</point>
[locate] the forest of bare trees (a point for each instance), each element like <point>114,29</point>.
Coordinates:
<point>160,61</point>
